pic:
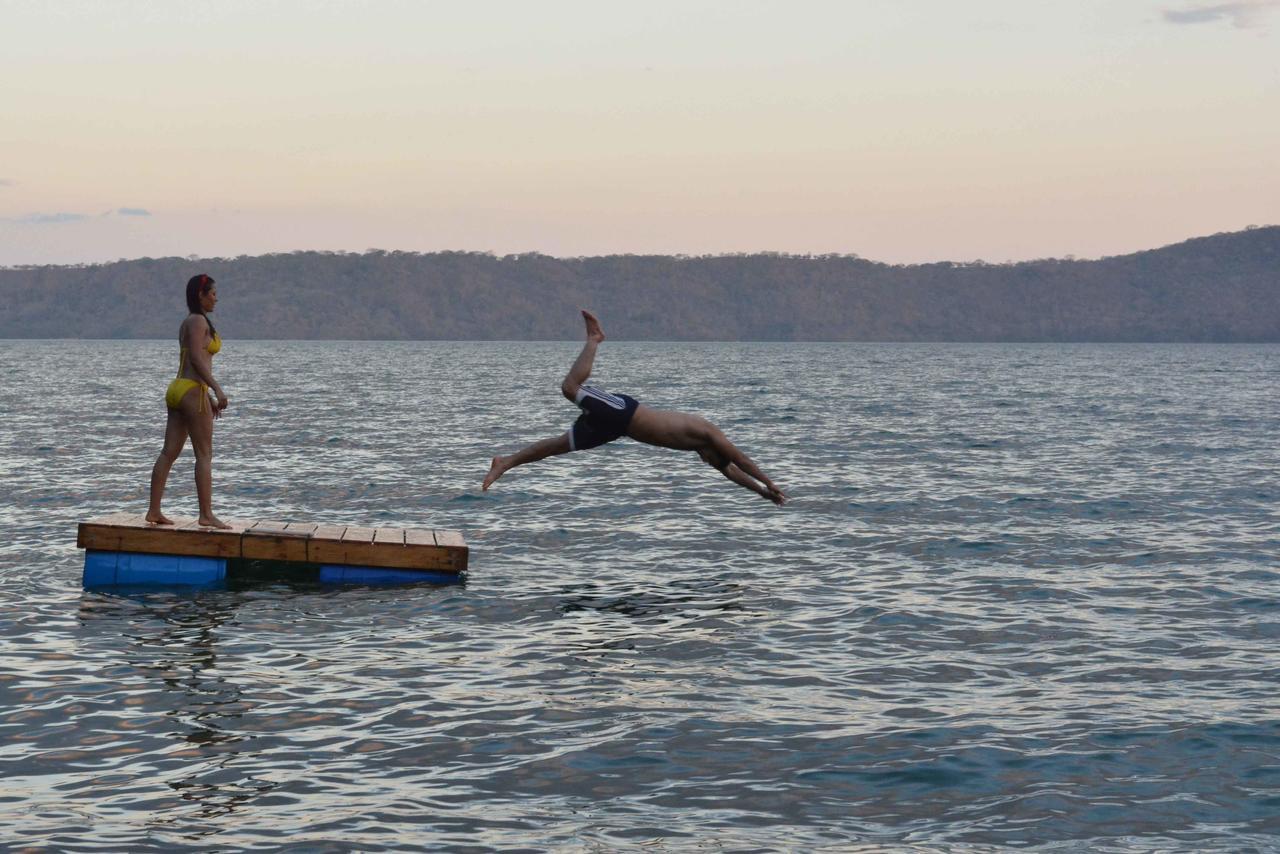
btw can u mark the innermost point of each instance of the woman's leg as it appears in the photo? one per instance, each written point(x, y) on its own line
point(199, 420)
point(175, 436)
point(537, 451)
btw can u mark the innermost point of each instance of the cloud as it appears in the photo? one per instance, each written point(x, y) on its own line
point(62, 217)
point(49, 219)
point(1242, 13)
point(5, 182)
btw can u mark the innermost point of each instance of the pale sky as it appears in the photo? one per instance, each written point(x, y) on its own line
point(900, 130)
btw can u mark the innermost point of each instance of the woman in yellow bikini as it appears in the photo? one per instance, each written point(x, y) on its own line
point(191, 412)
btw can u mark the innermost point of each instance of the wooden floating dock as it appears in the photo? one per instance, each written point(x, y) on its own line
point(342, 552)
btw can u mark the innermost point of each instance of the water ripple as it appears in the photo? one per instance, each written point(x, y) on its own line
point(1024, 597)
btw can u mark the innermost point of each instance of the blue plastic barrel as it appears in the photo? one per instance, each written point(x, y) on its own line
point(105, 569)
point(337, 574)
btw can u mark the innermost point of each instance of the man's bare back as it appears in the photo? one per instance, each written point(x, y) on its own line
point(666, 428)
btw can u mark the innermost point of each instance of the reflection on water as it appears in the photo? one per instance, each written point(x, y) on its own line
point(168, 644)
point(679, 596)
point(1025, 596)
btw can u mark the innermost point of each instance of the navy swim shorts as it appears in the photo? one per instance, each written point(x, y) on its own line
point(604, 417)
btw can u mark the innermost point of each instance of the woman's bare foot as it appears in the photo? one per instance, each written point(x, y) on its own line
point(211, 522)
point(497, 468)
point(594, 331)
point(158, 518)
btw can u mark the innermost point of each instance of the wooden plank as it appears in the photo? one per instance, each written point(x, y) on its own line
point(124, 520)
point(267, 526)
point(181, 539)
point(268, 547)
point(271, 540)
point(324, 536)
point(237, 526)
point(357, 548)
point(457, 547)
point(95, 529)
point(301, 527)
point(359, 535)
point(419, 537)
point(389, 536)
point(392, 557)
point(450, 538)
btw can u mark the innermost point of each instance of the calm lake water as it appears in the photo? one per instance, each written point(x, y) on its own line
point(1025, 596)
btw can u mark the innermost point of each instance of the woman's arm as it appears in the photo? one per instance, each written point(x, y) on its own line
point(198, 339)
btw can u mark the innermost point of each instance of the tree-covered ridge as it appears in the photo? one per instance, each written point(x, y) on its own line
point(1220, 288)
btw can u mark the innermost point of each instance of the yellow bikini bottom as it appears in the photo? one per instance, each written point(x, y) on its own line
point(178, 390)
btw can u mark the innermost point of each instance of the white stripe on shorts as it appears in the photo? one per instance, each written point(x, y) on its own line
point(611, 400)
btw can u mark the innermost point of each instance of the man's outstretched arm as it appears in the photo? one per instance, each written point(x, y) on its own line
point(738, 476)
point(726, 466)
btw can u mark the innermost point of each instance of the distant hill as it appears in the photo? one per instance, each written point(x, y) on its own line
point(1220, 288)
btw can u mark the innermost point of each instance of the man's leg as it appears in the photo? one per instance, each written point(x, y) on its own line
point(581, 367)
point(578, 373)
point(537, 451)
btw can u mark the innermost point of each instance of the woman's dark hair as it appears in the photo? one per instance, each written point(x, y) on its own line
point(198, 286)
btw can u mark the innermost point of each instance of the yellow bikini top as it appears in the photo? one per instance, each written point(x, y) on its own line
point(212, 348)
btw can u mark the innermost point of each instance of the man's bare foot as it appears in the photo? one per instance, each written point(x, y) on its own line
point(497, 468)
point(211, 522)
point(594, 331)
point(158, 518)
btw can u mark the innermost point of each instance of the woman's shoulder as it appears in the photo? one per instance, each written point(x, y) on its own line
point(194, 323)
